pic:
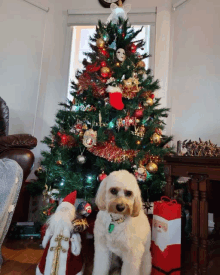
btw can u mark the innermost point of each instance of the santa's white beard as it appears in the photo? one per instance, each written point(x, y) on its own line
point(61, 220)
point(161, 238)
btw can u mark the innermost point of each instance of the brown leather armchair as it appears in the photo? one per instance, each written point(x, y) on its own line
point(16, 147)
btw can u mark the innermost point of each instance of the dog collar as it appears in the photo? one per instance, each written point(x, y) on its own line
point(112, 226)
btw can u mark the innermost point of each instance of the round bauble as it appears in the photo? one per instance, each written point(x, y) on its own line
point(141, 64)
point(156, 138)
point(138, 142)
point(64, 139)
point(104, 75)
point(117, 64)
point(148, 102)
point(81, 159)
point(152, 96)
point(133, 48)
point(152, 167)
point(138, 113)
point(104, 52)
point(103, 64)
point(59, 162)
point(100, 43)
point(105, 70)
point(102, 176)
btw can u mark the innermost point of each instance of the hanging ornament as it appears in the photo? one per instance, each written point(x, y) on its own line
point(128, 82)
point(105, 75)
point(120, 54)
point(59, 162)
point(100, 43)
point(152, 96)
point(64, 139)
point(81, 159)
point(148, 102)
point(105, 70)
point(133, 48)
point(103, 64)
point(117, 64)
point(105, 37)
point(158, 131)
point(141, 174)
point(156, 138)
point(141, 64)
point(138, 142)
point(123, 35)
point(139, 113)
point(152, 167)
point(104, 52)
point(101, 176)
point(89, 138)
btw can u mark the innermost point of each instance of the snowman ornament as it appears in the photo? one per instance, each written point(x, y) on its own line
point(120, 54)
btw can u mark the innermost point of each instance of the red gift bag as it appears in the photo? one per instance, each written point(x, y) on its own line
point(166, 237)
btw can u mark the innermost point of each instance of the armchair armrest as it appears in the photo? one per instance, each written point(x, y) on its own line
point(17, 141)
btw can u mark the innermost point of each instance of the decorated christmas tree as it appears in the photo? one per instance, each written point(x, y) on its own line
point(113, 122)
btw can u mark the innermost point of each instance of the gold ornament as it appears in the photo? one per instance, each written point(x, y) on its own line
point(59, 162)
point(152, 167)
point(100, 43)
point(141, 64)
point(105, 70)
point(156, 138)
point(148, 102)
point(84, 127)
point(128, 83)
point(90, 138)
point(118, 64)
point(81, 133)
point(138, 142)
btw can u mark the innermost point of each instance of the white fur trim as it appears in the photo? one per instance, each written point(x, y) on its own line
point(38, 271)
point(76, 244)
point(112, 89)
point(63, 255)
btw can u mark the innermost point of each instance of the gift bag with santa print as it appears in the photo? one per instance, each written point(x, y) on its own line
point(166, 237)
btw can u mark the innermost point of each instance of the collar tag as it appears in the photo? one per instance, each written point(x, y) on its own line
point(111, 227)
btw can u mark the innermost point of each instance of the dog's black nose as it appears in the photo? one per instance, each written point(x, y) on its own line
point(120, 207)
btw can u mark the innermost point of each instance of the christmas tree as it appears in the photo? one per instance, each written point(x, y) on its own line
point(114, 121)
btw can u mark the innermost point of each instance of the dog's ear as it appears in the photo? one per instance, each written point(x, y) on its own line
point(101, 195)
point(137, 206)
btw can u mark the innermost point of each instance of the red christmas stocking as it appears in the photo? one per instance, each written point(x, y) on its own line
point(115, 97)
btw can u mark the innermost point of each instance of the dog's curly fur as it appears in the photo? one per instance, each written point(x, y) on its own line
point(131, 239)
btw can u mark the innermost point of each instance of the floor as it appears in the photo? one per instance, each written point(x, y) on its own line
point(21, 257)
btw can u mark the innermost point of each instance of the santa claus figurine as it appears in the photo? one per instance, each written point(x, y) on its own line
point(61, 246)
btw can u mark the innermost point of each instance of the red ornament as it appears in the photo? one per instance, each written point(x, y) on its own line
point(59, 134)
point(104, 52)
point(102, 176)
point(104, 75)
point(123, 35)
point(139, 113)
point(103, 80)
point(133, 48)
point(64, 139)
point(103, 64)
point(152, 96)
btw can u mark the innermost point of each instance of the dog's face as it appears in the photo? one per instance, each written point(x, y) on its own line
point(119, 193)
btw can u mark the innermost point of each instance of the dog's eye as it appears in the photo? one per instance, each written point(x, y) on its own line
point(114, 191)
point(128, 193)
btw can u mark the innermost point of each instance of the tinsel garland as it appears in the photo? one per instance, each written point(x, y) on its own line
point(111, 152)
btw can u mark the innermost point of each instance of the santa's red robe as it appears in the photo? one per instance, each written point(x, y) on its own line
point(74, 263)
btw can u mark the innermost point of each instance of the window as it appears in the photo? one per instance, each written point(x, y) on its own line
point(80, 45)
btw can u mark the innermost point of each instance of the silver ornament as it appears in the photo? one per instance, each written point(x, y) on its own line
point(81, 159)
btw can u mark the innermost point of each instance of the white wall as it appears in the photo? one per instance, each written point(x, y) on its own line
point(35, 54)
point(195, 79)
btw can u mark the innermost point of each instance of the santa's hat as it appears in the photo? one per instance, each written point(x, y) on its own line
point(71, 198)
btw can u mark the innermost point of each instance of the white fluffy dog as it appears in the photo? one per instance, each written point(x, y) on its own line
point(121, 227)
